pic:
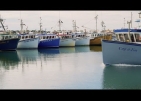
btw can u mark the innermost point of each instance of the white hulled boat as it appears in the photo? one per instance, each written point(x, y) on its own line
point(125, 50)
point(81, 39)
point(66, 39)
point(27, 41)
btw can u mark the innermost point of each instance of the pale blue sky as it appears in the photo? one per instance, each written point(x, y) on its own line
point(112, 19)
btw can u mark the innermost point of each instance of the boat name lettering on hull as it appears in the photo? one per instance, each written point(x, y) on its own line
point(127, 49)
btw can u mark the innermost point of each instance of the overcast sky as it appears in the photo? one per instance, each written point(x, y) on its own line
point(112, 19)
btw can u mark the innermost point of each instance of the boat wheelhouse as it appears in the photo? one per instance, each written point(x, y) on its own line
point(125, 50)
point(7, 41)
point(81, 39)
point(126, 35)
point(66, 39)
point(48, 40)
point(28, 41)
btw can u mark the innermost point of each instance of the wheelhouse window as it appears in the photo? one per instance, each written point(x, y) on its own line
point(126, 37)
point(121, 37)
point(26, 37)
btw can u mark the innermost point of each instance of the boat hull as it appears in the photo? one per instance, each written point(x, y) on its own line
point(28, 43)
point(66, 42)
point(48, 43)
point(116, 52)
point(97, 40)
point(82, 41)
point(9, 44)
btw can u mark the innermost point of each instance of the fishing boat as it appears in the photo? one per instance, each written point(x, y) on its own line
point(27, 40)
point(125, 50)
point(66, 39)
point(96, 38)
point(81, 39)
point(7, 41)
point(49, 40)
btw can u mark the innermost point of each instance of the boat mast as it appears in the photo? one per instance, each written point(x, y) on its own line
point(74, 26)
point(129, 22)
point(59, 25)
point(139, 15)
point(40, 25)
point(22, 26)
point(124, 22)
point(1, 20)
point(131, 19)
point(96, 23)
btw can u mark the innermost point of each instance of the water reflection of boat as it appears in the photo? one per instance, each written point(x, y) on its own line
point(96, 48)
point(122, 77)
point(28, 54)
point(49, 51)
point(8, 58)
point(82, 49)
point(67, 49)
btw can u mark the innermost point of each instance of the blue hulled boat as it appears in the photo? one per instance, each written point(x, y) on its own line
point(48, 40)
point(8, 41)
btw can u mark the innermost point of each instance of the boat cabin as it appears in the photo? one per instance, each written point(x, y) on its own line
point(79, 35)
point(134, 35)
point(26, 36)
point(47, 36)
point(7, 36)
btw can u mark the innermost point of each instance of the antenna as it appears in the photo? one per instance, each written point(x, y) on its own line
point(131, 19)
point(96, 22)
point(129, 22)
point(124, 22)
point(40, 25)
point(74, 26)
point(21, 24)
point(60, 22)
point(1, 20)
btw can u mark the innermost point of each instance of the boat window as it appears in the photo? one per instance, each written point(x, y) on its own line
point(19, 37)
point(6, 37)
point(43, 37)
point(22, 37)
point(121, 37)
point(1, 37)
point(132, 37)
point(10, 37)
point(126, 37)
point(26, 37)
point(137, 36)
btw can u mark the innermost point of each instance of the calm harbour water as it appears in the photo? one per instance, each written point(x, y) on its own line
point(64, 68)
